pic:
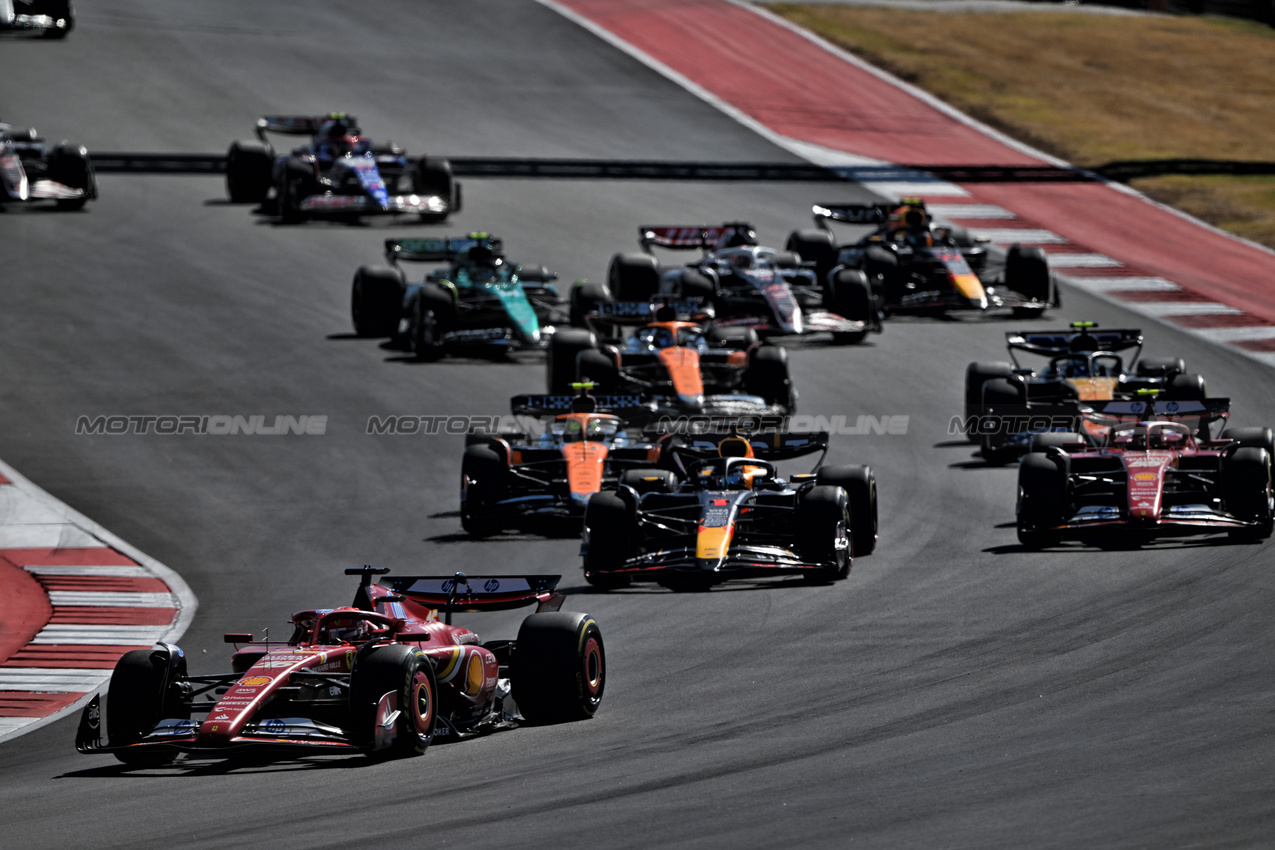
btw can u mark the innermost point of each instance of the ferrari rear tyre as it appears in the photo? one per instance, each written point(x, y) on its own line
point(405, 672)
point(848, 294)
point(558, 669)
point(860, 485)
point(432, 176)
point(138, 698)
point(824, 533)
point(633, 277)
point(248, 172)
point(376, 301)
point(565, 347)
point(768, 376)
point(1042, 501)
point(482, 484)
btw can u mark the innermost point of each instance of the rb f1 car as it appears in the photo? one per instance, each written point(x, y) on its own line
point(385, 676)
point(732, 516)
point(675, 355)
point(339, 173)
point(480, 301)
point(915, 266)
point(49, 18)
point(1006, 403)
point(29, 171)
point(1155, 472)
point(748, 285)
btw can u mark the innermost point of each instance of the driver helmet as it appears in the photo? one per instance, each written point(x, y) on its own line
point(742, 260)
point(1166, 438)
point(337, 135)
point(663, 338)
point(348, 631)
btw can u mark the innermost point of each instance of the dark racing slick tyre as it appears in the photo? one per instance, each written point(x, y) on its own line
point(882, 268)
point(694, 285)
point(405, 672)
point(609, 521)
point(599, 368)
point(824, 532)
point(70, 166)
point(376, 301)
point(483, 474)
point(60, 11)
point(860, 484)
point(633, 277)
point(295, 185)
point(560, 363)
point(558, 669)
point(1160, 367)
point(1068, 441)
point(248, 172)
point(432, 176)
point(433, 317)
point(848, 294)
point(1246, 491)
point(977, 374)
point(740, 339)
point(645, 481)
point(814, 246)
point(1188, 386)
point(1257, 437)
point(1042, 500)
point(586, 295)
point(1027, 273)
point(767, 376)
point(141, 695)
point(1003, 403)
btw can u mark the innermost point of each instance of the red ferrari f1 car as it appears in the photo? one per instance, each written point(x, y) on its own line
point(385, 676)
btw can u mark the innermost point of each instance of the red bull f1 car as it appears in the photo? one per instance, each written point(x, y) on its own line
point(385, 676)
point(480, 301)
point(338, 173)
point(749, 286)
point(30, 171)
point(731, 515)
point(1146, 469)
point(676, 355)
point(915, 266)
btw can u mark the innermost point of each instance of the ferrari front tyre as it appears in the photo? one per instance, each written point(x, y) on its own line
point(860, 484)
point(248, 172)
point(482, 484)
point(404, 725)
point(139, 696)
point(432, 177)
point(1027, 273)
point(558, 669)
point(848, 294)
point(823, 532)
point(977, 374)
point(633, 277)
point(433, 312)
point(376, 301)
point(768, 376)
point(1246, 490)
point(565, 347)
point(586, 295)
point(1042, 500)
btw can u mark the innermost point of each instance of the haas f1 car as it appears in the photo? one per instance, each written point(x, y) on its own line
point(730, 515)
point(30, 171)
point(1005, 403)
point(916, 266)
point(748, 285)
point(338, 173)
point(479, 301)
point(385, 676)
point(675, 355)
point(49, 18)
point(1151, 471)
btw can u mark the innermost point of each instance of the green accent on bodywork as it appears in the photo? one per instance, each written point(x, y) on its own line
point(582, 385)
point(451, 287)
point(1149, 392)
point(517, 306)
point(1080, 326)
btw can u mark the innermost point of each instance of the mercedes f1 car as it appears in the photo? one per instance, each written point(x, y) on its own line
point(29, 171)
point(1005, 403)
point(479, 301)
point(916, 266)
point(1152, 470)
point(676, 355)
point(49, 18)
point(515, 480)
point(385, 676)
point(732, 516)
point(339, 173)
point(748, 285)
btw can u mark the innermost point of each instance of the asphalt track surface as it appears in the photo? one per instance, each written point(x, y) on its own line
point(955, 691)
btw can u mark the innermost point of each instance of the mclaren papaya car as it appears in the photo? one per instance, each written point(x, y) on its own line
point(749, 286)
point(676, 355)
point(479, 301)
point(47, 18)
point(338, 173)
point(1147, 469)
point(1005, 403)
point(385, 676)
point(31, 171)
point(729, 514)
point(916, 266)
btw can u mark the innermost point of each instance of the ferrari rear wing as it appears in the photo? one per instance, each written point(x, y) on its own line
point(466, 593)
point(687, 238)
point(770, 445)
point(1209, 408)
point(434, 250)
point(625, 404)
point(296, 125)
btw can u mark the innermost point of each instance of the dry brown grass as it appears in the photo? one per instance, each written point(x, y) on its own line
point(1094, 88)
